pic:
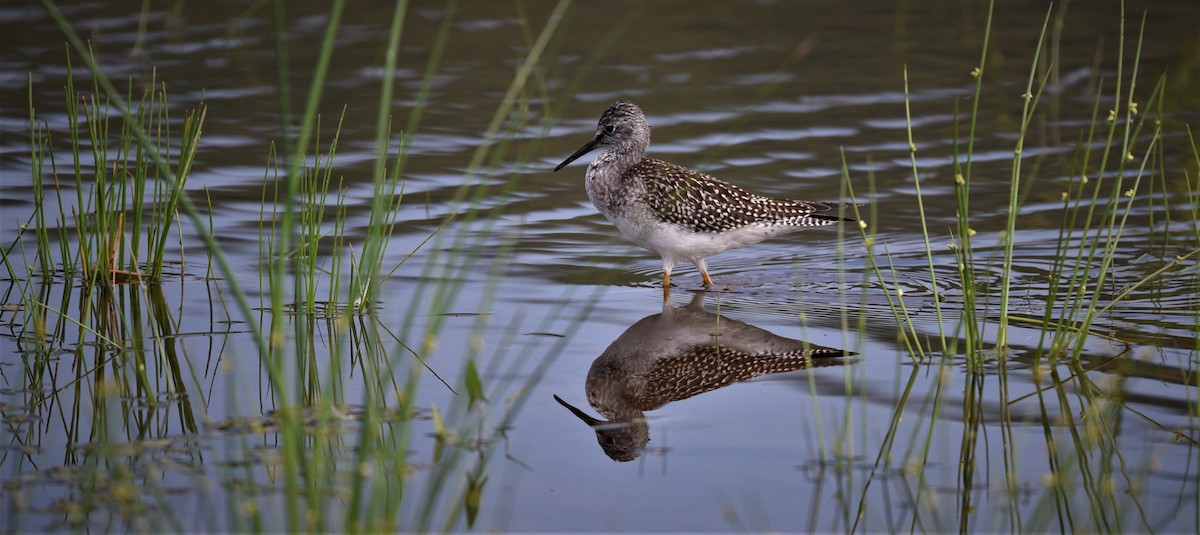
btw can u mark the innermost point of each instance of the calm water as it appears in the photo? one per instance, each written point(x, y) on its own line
point(767, 95)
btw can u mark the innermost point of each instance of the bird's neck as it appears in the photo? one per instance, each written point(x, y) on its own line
point(609, 166)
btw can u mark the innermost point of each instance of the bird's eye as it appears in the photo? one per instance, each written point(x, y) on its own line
point(608, 129)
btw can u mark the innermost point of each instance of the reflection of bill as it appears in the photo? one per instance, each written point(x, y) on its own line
point(675, 355)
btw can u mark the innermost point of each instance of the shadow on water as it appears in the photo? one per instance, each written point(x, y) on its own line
point(679, 353)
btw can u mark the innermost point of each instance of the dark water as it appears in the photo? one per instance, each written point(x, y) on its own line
point(768, 95)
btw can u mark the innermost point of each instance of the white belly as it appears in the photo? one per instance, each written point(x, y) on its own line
point(675, 243)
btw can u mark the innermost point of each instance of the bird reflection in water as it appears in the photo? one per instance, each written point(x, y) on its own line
point(675, 355)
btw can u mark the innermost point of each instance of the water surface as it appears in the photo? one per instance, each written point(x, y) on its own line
point(773, 96)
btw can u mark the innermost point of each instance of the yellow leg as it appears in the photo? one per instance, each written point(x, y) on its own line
point(703, 269)
point(666, 280)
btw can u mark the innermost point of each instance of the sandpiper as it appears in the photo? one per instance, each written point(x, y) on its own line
point(678, 213)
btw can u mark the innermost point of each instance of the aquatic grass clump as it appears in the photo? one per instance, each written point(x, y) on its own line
point(1114, 160)
point(316, 334)
point(469, 431)
point(105, 217)
point(1110, 178)
point(99, 336)
point(115, 205)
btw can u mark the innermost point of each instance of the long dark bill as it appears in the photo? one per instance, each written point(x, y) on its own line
point(587, 419)
point(588, 147)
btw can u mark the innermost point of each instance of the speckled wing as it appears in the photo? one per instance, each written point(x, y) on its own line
point(703, 203)
point(700, 369)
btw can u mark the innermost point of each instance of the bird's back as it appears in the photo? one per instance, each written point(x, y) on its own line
point(705, 204)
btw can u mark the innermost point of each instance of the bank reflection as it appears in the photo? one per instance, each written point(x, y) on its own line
point(677, 354)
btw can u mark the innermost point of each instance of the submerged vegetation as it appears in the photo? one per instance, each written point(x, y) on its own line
point(93, 278)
